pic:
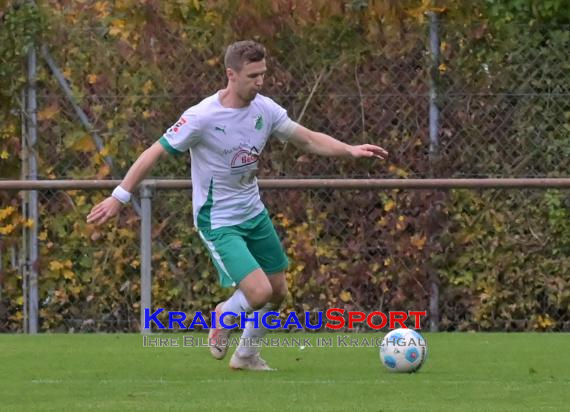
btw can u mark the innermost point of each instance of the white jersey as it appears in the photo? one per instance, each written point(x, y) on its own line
point(225, 145)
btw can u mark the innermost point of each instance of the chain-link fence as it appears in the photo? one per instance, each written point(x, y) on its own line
point(498, 102)
point(498, 259)
point(505, 113)
point(502, 103)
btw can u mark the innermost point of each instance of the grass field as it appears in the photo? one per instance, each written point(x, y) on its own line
point(464, 372)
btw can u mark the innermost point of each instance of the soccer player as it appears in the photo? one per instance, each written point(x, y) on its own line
point(225, 134)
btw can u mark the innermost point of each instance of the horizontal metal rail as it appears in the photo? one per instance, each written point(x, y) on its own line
point(162, 184)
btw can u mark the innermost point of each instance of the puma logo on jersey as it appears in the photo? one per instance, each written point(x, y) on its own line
point(220, 129)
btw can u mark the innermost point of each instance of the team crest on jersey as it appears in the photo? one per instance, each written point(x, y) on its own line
point(245, 157)
point(258, 122)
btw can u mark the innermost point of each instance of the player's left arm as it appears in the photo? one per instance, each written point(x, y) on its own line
point(325, 145)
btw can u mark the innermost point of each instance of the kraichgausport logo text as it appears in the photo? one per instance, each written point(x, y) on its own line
point(334, 318)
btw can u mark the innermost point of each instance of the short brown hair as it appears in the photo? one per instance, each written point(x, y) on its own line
point(241, 52)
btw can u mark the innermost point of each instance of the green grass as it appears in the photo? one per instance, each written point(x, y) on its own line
point(464, 372)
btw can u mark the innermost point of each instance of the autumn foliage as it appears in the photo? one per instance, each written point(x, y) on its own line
point(359, 70)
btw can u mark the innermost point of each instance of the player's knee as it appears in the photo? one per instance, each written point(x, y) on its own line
point(279, 293)
point(260, 297)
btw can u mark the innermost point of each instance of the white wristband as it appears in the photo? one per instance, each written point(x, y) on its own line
point(121, 195)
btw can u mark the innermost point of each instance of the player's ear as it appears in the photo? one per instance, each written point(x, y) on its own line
point(231, 73)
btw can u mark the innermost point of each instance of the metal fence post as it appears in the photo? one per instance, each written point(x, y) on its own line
point(23, 253)
point(32, 135)
point(434, 43)
point(146, 194)
point(434, 151)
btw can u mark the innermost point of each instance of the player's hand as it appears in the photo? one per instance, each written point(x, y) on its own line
point(103, 211)
point(368, 150)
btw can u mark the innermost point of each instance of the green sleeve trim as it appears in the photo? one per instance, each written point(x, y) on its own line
point(164, 143)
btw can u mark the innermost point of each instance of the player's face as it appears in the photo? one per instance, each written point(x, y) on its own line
point(249, 80)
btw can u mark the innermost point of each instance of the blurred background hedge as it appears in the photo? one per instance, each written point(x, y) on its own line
point(358, 70)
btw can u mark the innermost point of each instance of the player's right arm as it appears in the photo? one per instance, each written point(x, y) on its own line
point(109, 207)
point(185, 133)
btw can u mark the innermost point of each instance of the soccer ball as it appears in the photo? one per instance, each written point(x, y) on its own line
point(403, 350)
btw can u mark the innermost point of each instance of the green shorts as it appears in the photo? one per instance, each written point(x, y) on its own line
point(239, 250)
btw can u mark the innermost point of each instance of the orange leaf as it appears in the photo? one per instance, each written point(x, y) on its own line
point(84, 144)
point(48, 112)
point(104, 171)
point(390, 204)
point(345, 296)
point(418, 241)
point(213, 61)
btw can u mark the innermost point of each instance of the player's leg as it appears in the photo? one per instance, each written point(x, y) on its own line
point(279, 287)
point(236, 266)
point(254, 293)
point(265, 246)
point(247, 355)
